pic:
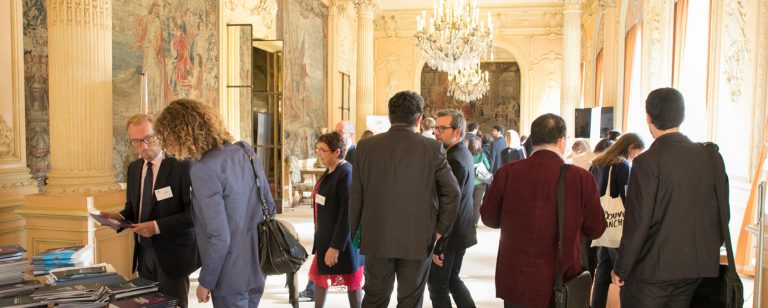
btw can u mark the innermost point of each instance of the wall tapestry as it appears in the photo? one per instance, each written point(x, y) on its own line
point(304, 95)
point(36, 89)
point(500, 105)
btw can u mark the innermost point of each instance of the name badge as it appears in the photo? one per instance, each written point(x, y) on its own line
point(320, 199)
point(163, 193)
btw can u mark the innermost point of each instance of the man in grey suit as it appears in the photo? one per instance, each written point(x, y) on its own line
point(404, 197)
point(671, 236)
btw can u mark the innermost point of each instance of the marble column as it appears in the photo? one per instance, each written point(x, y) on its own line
point(82, 179)
point(571, 85)
point(15, 180)
point(365, 12)
point(611, 84)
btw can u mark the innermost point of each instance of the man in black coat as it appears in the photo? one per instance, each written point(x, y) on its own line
point(498, 145)
point(449, 252)
point(403, 197)
point(158, 201)
point(671, 236)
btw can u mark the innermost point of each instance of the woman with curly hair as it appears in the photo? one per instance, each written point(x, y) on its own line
point(224, 192)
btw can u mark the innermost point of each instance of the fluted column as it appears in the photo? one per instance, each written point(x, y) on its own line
point(80, 89)
point(569, 93)
point(365, 12)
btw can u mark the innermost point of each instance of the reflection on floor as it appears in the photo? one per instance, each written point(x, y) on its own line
point(477, 272)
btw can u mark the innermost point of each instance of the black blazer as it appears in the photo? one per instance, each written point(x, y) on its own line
point(509, 155)
point(175, 246)
point(671, 225)
point(498, 145)
point(619, 179)
point(350, 156)
point(402, 193)
point(332, 228)
point(463, 233)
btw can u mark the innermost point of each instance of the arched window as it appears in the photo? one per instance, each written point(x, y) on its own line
point(599, 78)
point(634, 103)
point(689, 73)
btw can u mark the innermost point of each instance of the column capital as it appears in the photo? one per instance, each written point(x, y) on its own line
point(607, 4)
point(366, 7)
point(571, 5)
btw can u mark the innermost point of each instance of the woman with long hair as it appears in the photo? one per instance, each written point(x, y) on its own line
point(336, 263)
point(613, 164)
point(226, 202)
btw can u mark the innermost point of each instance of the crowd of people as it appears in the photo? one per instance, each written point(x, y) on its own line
point(405, 205)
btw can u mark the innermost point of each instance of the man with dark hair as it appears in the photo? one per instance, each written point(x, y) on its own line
point(498, 145)
point(671, 237)
point(444, 280)
point(404, 198)
point(472, 128)
point(521, 201)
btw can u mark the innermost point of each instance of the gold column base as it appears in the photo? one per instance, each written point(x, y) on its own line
point(54, 221)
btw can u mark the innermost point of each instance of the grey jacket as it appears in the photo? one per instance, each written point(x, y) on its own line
point(403, 192)
point(226, 216)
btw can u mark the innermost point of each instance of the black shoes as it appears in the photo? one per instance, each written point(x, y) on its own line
point(307, 296)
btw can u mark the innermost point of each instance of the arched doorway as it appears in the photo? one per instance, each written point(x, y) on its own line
point(500, 105)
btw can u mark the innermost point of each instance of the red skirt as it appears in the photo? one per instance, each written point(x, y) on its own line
point(350, 282)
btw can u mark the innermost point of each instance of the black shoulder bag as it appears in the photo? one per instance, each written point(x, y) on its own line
point(725, 290)
point(280, 251)
point(575, 292)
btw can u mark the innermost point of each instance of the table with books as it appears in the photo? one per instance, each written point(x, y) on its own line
point(65, 277)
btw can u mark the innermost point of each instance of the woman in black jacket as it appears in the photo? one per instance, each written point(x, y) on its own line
point(613, 164)
point(336, 262)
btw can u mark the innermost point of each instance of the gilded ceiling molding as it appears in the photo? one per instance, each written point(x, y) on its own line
point(737, 52)
point(607, 4)
point(367, 7)
point(572, 5)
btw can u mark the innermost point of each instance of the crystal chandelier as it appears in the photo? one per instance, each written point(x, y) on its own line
point(455, 37)
point(468, 85)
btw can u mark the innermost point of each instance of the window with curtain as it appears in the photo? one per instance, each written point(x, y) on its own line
point(599, 78)
point(691, 56)
point(634, 102)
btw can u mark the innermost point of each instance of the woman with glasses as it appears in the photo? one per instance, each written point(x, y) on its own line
point(337, 263)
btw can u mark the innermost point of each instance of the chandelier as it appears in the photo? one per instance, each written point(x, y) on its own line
point(468, 85)
point(455, 37)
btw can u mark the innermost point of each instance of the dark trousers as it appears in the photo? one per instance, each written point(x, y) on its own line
point(380, 274)
point(149, 268)
point(662, 294)
point(605, 259)
point(244, 299)
point(444, 282)
point(477, 200)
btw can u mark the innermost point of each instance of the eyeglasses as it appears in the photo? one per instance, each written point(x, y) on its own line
point(319, 150)
point(442, 129)
point(146, 141)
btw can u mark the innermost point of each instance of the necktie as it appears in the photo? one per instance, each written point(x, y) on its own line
point(146, 203)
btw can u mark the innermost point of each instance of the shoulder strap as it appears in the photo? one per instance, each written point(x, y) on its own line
point(608, 188)
point(560, 209)
point(256, 178)
point(712, 150)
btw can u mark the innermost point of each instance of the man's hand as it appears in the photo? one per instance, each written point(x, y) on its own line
point(203, 294)
point(438, 259)
point(112, 215)
point(145, 229)
point(331, 257)
point(617, 280)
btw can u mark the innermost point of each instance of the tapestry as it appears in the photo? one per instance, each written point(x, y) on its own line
point(500, 105)
point(175, 44)
point(304, 95)
point(36, 89)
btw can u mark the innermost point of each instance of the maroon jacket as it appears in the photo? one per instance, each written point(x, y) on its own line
point(521, 201)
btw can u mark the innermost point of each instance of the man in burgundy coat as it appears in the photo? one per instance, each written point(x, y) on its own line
point(522, 202)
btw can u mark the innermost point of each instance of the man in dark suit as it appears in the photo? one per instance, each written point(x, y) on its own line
point(498, 145)
point(522, 202)
point(158, 200)
point(347, 131)
point(404, 197)
point(444, 279)
point(671, 236)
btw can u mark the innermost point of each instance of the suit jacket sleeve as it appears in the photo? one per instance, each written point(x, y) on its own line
point(264, 185)
point(594, 218)
point(638, 211)
point(341, 231)
point(355, 197)
point(448, 194)
point(460, 174)
point(209, 206)
point(127, 212)
point(170, 225)
point(490, 210)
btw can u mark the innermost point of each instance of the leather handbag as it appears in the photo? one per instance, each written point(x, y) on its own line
point(575, 292)
point(614, 215)
point(725, 290)
point(280, 251)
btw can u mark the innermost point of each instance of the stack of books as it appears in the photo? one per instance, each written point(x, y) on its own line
point(79, 295)
point(12, 265)
point(22, 302)
point(132, 288)
point(19, 289)
point(76, 256)
point(103, 274)
point(151, 300)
